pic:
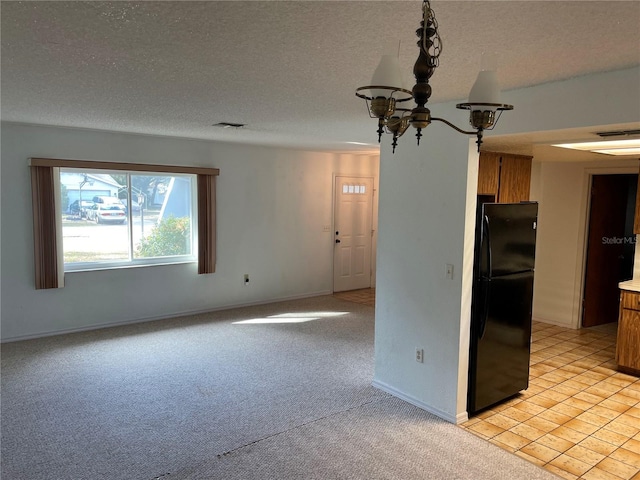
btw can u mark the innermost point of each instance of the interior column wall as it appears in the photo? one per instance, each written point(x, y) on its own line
point(423, 206)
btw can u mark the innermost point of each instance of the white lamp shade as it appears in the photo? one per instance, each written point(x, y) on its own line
point(388, 74)
point(486, 88)
point(407, 80)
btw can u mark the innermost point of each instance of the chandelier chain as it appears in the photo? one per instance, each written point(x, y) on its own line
point(431, 43)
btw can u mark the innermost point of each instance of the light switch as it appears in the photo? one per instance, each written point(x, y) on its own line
point(449, 271)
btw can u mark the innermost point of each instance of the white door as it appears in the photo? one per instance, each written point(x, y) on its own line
point(352, 234)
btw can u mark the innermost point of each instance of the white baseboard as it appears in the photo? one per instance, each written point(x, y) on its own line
point(459, 418)
point(164, 317)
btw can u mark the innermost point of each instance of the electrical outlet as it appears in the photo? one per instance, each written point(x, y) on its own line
point(246, 279)
point(419, 355)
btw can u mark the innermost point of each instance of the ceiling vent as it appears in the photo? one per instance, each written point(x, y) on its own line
point(229, 125)
point(618, 133)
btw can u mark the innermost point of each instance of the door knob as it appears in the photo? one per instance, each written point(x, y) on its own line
point(337, 240)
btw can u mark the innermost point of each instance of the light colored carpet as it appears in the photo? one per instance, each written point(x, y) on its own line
point(205, 397)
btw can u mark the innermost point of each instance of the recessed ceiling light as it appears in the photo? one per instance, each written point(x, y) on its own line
point(620, 151)
point(612, 147)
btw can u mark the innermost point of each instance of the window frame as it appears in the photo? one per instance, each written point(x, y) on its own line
point(47, 215)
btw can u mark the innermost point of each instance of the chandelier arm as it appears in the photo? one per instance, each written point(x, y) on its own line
point(474, 132)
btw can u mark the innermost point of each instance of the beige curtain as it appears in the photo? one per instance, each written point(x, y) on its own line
point(44, 227)
point(206, 224)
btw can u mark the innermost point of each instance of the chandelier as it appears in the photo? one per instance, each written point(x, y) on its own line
point(387, 92)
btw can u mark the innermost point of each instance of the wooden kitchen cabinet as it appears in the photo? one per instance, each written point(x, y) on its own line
point(488, 173)
point(515, 179)
point(505, 177)
point(628, 341)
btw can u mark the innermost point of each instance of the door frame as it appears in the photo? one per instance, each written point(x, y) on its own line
point(374, 223)
point(583, 234)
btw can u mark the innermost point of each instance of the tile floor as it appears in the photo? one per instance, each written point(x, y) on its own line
point(579, 418)
point(366, 296)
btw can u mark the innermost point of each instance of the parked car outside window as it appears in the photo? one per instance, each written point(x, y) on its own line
point(107, 213)
point(107, 200)
point(74, 208)
point(135, 206)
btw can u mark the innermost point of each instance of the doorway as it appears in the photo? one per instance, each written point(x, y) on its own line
point(353, 219)
point(610, 246)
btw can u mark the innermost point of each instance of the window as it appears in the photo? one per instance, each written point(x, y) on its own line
point(92, 215)
point(114, 218)
point(353, 189)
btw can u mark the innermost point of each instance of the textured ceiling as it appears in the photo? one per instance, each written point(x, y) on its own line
point(286, 69)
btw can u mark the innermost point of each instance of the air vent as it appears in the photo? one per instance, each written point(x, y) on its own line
point(618, 133)
point(228, 125)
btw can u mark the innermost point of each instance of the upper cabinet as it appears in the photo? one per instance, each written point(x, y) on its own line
point(488, 173)
point(504, 176)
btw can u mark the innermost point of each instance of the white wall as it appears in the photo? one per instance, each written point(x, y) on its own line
point(426, 218)
point(562, 190)
point(423, 205)
point(271, 208)
point(599, 99)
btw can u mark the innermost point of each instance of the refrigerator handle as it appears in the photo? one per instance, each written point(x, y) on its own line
point(486, 276)
point(486, 284)
point(486, 235)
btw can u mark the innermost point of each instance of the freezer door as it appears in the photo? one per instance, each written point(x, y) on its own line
point(508, 238)
point(500, 340)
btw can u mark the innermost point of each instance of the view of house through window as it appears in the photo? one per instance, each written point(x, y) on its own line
point(110, 218)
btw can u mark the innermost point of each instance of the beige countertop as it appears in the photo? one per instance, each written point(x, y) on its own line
point(632, 285)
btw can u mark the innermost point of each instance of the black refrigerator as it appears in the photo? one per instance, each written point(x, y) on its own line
point(500, 341)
